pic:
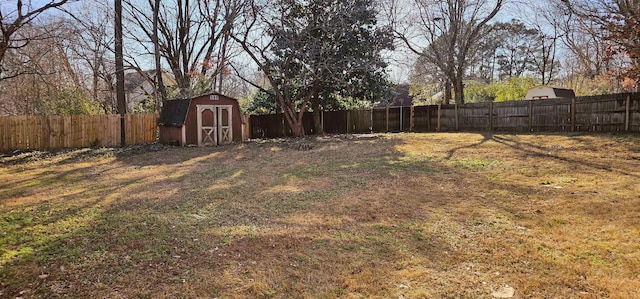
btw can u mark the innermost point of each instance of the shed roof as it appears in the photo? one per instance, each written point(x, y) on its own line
point(549, 92)
point(174, 112)
point(564, 93)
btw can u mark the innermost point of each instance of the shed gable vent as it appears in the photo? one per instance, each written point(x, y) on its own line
point(213, 97)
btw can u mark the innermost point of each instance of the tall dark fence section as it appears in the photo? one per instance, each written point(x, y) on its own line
point(605, 113)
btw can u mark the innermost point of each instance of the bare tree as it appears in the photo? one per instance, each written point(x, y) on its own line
point(545, 58)
point(191, 36)
point(445, 33)
point(547, 18)
point(13, 19)
point(51, 81)
point(619, 21)
point(161, 92)
point(92, 50)
point(516, 44)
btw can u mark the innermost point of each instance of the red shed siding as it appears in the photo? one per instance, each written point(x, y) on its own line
point(192, 120)
point(170, 135)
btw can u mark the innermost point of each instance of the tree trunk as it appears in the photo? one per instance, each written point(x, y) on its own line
point(447, 93)
point(297, 130)
point(458, 88)
point(122, 104)
point(294, 120)
point(161, 93)
point(317, 116)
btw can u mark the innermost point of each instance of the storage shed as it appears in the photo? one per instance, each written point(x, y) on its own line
point(209, 119)
point(548, 92)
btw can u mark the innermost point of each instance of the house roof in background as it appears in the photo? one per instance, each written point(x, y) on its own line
point(401, 98)
point(135, 79)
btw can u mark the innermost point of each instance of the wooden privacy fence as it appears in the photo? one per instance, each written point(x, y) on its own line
point(52, 132)
point(605, 113)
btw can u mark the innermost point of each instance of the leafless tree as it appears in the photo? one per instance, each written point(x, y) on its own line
point(161, 92)
point(620, 22)
point(444, 33)
point(92, 49)
point(192, 37)
point(54, 82)
point(14, 17)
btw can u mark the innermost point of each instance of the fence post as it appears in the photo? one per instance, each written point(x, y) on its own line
point(411, 121)
point(387, 122)
point(490, 116)
point(348, 121)
point(530, 115)
point(456, 110)
point(246, 127)
point(322, 120)
point(627, 114)
point(401, 120)
point(429, 118)
point(439, 115)
point(573, 115)
point(371, 118)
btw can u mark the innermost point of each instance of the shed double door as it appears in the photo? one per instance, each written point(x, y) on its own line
point(215, 124)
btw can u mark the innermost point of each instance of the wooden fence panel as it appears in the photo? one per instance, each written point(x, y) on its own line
point(21, 128)
point(379, 116)
point(422, 119)
point(116, 130)
point(335, 122)
point(473, 117)
point(360, 121)
point(267, 126)
point(139, 128)
point(393, 119)
point(56, 132)
point(634, 114)
point(618, 112)
point(53, 132)
point(511, 116)
point(600, 115)
point(406, 119)
point(132, 126)
point(551, 115)
point(4, 140)
point(447, 118)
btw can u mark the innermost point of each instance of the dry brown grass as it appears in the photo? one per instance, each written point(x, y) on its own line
point(413, 215)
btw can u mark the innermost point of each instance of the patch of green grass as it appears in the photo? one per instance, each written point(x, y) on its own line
point(566, 180)
point(269, 293)
point(472, 164)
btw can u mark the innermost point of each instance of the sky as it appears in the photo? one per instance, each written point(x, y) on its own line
point(400, 60)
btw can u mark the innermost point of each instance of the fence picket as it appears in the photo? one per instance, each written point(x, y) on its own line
point(52, 132)
point(615, 112)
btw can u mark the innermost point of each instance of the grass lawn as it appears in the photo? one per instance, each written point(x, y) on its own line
point(370, 216)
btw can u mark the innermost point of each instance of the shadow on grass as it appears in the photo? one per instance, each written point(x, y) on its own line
point(270, 221)
point(551, 152)
point(546, 152)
